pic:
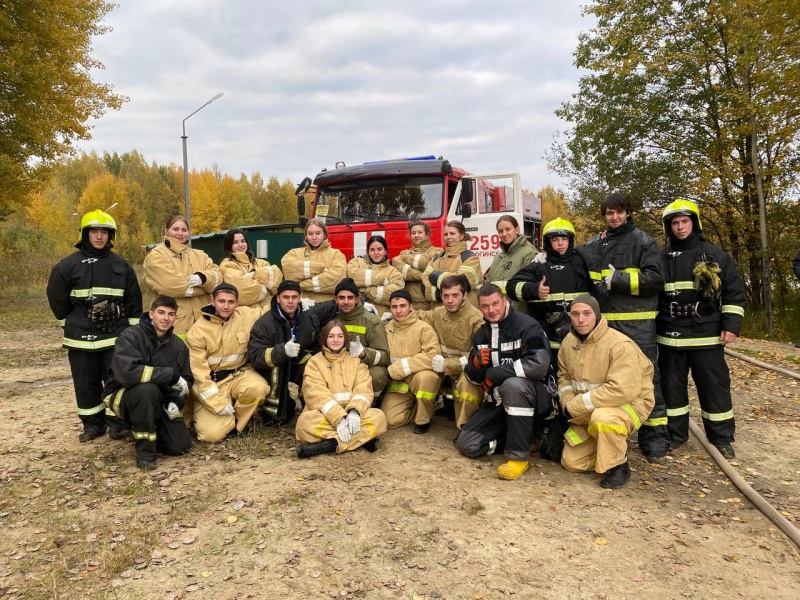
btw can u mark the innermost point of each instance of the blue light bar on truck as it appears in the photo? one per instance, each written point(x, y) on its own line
point(375, 162)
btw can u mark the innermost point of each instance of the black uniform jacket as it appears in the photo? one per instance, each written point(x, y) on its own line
point(140, 356)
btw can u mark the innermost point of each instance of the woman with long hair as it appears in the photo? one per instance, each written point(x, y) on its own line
point(316, 266)
point(374, 274)
point(256, 279)
point(412, 262)
point(187, 274)
point(455, 260)
point(337, 389)
point(515, 252)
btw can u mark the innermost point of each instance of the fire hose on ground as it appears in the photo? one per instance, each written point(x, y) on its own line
point(760, 503)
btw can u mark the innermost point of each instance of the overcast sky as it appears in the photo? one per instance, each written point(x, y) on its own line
point(309, 82)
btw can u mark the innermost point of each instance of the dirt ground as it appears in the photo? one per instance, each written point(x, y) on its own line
point(247, 519)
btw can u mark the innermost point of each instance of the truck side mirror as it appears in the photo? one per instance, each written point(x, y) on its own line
point(465, 199)
point(300, 192)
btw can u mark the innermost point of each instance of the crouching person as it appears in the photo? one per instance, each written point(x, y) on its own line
point(148, 383)
point(227, 389)
point(337, 388)
point(509, 358)
point(606, 390)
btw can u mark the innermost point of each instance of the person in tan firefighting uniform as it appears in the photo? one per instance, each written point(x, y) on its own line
point(174, 269)
point(627, 273)
point(455, 260)
point(337, 416)
point(256, 279)
point(412, 262)
point(455, 322)
point(701, 309)
point(95, 295)
point(374, 274)
point(317, 266)
point(414, 384)
point(605, 383)
point(515, 253)
point(227, 389)
point(148, 382)
point(366, 334)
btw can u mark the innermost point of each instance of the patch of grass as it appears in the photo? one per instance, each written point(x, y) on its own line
point(26, 312)
point(785, 322)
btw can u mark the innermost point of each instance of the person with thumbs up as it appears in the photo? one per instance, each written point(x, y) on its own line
point(548, 287)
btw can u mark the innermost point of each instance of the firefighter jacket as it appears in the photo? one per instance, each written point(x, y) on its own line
point(412, 263)
point(369, 328)
point(509, 261)
point(376, 281)
point(413, 344)
point(606, 369)
point(631, 305)
point(266, 348)
point(567, 277)
point(83, 279)
point(255, 289)
point(334, 383)
point(455, 331)
point(519, 348)
point(317, 271)
point(455, 260)
point(217, 349)
point(167, 268)
point(140, 356)
point(685, 318)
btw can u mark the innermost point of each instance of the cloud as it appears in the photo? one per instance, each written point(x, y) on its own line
point(307, 84)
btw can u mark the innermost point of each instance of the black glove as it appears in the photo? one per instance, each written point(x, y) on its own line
point(552, 443)
point(174, 396)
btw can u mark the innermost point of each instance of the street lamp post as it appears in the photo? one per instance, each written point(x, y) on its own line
point(186, 163)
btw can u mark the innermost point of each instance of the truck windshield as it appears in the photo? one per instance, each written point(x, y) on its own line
point(399, 199)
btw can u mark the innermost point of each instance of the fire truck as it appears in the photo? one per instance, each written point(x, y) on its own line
point(382, 197)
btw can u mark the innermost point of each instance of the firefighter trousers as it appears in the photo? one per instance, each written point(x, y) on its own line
point(246, 391)
point(599, 442)
point(380, 378)
point(467, 398)
point(509, 425)
point(141, 408)
point(411, 399)
point(713, 382)
point(88, 372)
point(312, 426)
point(654, 435)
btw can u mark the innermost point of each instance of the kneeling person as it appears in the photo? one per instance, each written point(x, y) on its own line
point(148, 382)
point(605, 384)
point(414, 384)
point(338, 391)
point(509, 358)
point(227, 388)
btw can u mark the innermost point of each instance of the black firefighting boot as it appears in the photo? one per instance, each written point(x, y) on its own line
point(323, 447)
point(372, 445)
point(616, 477)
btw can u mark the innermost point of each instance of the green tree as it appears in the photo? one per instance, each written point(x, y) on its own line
point(47, 92)
point(666, 109)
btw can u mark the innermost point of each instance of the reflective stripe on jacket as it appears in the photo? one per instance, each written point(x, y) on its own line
point(412, 263)
point(412, 344)
point(377, 282)
point(334, 383)
point(317, 271)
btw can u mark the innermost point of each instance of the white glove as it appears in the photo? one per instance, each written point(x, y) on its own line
point(182, 387)
point(194, 280)
point(227, 411)
point(172, 411)
point(610, 276)
point(386, 317)
point(353, 421)
point(540, 258)
point(306, 303)
point(292, 348)
point(251, 274)
point(356, 347)
point(438, 363)
point(343, 431)
point(370, 308)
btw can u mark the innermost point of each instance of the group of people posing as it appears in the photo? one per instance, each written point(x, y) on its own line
point(559, 347)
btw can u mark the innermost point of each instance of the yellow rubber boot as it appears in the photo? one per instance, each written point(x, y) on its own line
point(513, 469)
